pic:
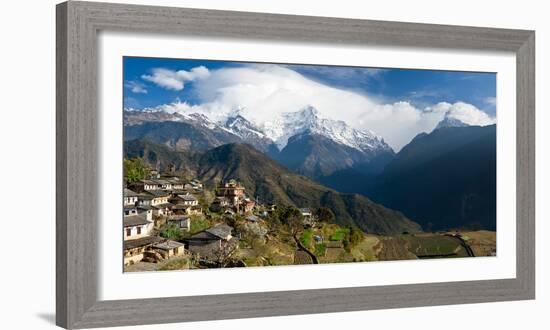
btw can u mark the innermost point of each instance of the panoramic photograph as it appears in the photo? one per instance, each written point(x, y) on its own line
point(240, 164)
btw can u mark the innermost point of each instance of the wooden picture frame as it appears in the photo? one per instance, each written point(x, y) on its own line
point(78, 24)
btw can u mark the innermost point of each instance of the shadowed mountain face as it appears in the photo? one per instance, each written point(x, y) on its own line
point(445, 179)
point(273, 183)
point(317, 156)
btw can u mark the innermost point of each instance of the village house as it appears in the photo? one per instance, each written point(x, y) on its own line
point(183, 222)
point(164, 184)
point(306, 212)
point(248, 205)
point(219, 204)
point(159, 202)
point(145, 212)
point(195, 210)
point(159, 197)
point(130, 197)
point(176, 183)
point(136, 238)
point(185, 199)
point(134, 249)
point(130, 210)
point(232, 190)
point(196, 184)
point(189, 200)
point(154, 174)
point(169, 249)
point(180, 209)
point(308, 217)
point(136, 226)
point(144, 200)
point(144, 185)
point(209, 242)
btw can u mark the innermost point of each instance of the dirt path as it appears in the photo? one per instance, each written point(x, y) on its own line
point(464, 245)
point(301, 247)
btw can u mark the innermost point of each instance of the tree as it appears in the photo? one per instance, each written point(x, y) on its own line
point(135, 170)
point(354, 237)
point(324, 214)
point(171, 231)
point(293, 218)
point(223, 255)
point(274, 223)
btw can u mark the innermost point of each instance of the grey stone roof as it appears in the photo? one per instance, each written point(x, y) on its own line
point(158, 193)
point(203, 236)
point(135, 220)
point(180, 207)
point(163, 206)
point(151, 182)
point(221, 231)
point(168, 245)
point(130, 193)
point(190, 198)
point(140, 242)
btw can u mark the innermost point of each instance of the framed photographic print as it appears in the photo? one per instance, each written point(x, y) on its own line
point(216, 165)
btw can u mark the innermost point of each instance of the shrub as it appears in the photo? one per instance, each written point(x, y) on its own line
point(320, 249)
point(172, 232)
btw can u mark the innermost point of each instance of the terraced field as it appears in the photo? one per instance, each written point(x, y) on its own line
point(483, 242)
point(430, 245)
point(435, 246)
point(301, 257)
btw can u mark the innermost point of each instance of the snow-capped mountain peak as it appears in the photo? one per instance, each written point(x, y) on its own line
point(242, 127)
point(451, 120)
point(309, 119)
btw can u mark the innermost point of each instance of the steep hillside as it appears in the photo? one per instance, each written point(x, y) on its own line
point(445, 179)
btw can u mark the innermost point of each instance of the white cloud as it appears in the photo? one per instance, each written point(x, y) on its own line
point(263, 92)
point(465, 112)
point(175, 80)
point(490, 101)
point(135, 87)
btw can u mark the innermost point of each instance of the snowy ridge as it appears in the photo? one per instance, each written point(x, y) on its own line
point(310, 120)
point(278, 129)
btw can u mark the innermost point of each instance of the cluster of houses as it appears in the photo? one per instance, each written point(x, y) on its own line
point(146, 204)
point(152, 203)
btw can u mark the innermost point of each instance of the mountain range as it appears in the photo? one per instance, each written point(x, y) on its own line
point(442, 179)
point(303, 141)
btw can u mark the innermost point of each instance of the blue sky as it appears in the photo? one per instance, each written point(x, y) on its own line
point(419, 87)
